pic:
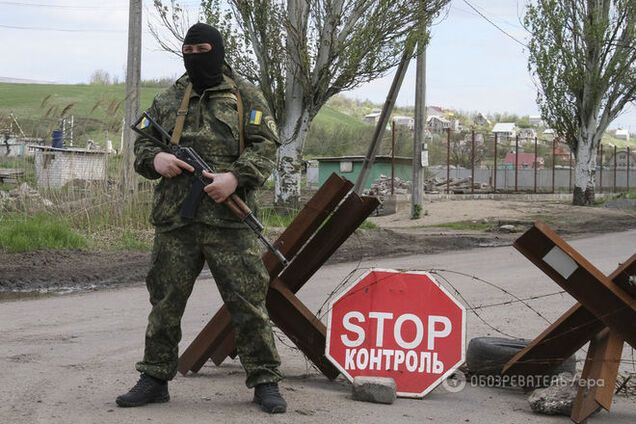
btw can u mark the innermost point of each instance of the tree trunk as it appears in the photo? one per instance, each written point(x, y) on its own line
point(585, 174)
point(288, 175)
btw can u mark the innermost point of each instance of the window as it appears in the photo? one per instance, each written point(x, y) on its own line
point(346, 166)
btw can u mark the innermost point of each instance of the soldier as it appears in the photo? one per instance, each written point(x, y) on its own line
point(182, 246)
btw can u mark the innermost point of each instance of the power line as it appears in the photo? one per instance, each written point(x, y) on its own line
point(61, 6)
point(61, 29)
point(494, 24)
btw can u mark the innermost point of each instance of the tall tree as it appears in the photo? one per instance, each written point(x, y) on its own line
point(583, 55)
point(302, 52)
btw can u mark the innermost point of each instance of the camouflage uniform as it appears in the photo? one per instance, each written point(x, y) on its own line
point(215, 235)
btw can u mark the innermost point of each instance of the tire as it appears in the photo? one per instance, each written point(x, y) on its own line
point(488, 355)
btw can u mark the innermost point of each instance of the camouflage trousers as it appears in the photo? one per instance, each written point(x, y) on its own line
point(232, 254)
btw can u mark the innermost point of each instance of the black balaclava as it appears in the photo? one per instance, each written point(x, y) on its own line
point(205, 70)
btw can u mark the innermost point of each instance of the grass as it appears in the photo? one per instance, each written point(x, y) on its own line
point(37, 232)
point(630, 195)
point(368, 225)
point(329, 117)
point(272, 218)
point(465, 226)
point(130, 240)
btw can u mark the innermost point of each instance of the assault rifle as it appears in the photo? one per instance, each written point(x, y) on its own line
point(190, 204)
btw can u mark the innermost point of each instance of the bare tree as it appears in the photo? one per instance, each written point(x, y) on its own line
point(100, 77)
point(583, 54)
point(302, 52)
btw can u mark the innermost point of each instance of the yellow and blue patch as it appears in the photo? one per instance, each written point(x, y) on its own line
point(255, 117)
point(145, 123)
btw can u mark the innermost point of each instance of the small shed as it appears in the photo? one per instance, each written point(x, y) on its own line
point(54, 167)
point(349, 167)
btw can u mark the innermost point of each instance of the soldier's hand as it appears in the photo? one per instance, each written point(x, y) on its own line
point(222, 187)
point(168, 165)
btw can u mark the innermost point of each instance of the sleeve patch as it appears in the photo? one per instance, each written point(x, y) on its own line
point(255, 117)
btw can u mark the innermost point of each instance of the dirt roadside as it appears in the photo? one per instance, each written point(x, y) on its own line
point(396, 235)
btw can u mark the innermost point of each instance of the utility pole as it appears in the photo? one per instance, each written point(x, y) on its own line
point(420, 127)
point(133, 73)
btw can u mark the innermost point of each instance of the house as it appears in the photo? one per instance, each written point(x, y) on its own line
point(480, 120)
point(372, 118)
point(505, 129)
point(434, 111)
point(622, 160)
point(548, 134)
point(622, 134)
point(527, 135)
point(405, 121)
point(437, 123)
point(535, 120)
point(526, 160)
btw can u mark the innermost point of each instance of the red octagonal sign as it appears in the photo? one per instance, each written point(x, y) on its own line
point(400, 325)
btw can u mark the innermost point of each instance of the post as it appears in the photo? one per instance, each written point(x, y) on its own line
point(472, 162)
point(494, 183)
point(448, 136)
point(600, 161)
point(628, 158)
point(553, 162)
point(536, 154)
point(72, 129)
point(384, 117)
point(420, 127)
point(133, 71)
point(570, 182)
point(392, 157)
point(614, 168)
point(517, 163)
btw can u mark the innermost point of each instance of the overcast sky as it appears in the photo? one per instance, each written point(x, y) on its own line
point(471, 65)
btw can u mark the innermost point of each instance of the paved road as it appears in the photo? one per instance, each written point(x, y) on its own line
point(65, 359)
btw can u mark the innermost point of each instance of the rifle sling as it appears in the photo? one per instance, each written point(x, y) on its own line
point(183, 111)
point(181, 114)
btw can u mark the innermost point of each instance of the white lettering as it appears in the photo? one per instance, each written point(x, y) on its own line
point(411, 360)
point(375, 362)
point(425, 362)
point(349, 326)
point(419, 331)
point(438, 366)
point(380, 317)
point(349, 354)
point(399, 359)
point(360, 362)
point(388, 354)
point(433, 333)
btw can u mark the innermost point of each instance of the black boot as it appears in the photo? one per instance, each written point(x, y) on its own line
point(268, 396)
point(147, 390)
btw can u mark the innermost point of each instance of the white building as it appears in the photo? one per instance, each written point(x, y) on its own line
point(622, 134)
point(505, 129)
point(54, 167)
point(405, 121)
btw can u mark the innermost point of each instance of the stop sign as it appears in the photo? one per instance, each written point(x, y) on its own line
point(400, 325)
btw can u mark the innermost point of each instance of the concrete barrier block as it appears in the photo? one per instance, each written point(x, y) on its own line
point(374, 389)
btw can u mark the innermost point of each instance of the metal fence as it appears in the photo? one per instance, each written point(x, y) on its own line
point(499, 163)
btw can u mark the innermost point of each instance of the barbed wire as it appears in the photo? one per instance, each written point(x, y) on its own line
point(357, 271)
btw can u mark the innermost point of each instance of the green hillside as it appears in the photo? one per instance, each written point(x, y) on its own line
point(331, 117)
point(98, 109)
point(29, 100)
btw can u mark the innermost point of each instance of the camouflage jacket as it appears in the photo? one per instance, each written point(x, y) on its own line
point(212, 129)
